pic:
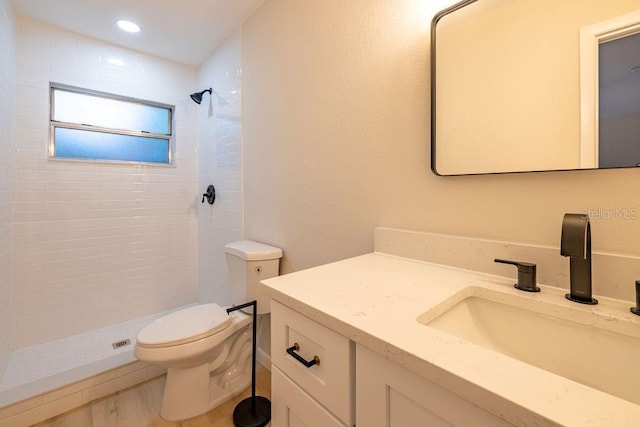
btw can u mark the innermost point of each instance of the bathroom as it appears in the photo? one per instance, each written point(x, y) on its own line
point(329, 117)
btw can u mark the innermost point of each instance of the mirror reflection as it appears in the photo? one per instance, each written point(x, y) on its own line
point(533, 85)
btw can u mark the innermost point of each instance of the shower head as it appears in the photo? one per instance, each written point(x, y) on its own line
point(197, 96)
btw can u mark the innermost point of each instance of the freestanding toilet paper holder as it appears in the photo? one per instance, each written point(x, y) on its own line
point(254, 411)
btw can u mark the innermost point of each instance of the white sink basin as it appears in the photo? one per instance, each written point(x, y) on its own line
point(593, 346)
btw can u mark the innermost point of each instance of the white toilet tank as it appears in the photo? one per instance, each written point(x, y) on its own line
point(248, 263)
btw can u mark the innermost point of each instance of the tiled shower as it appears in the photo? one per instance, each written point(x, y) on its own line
point(87, 245)
point(7, 118)
point(96, 243)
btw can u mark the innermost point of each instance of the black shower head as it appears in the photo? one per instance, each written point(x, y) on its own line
point(197, 96)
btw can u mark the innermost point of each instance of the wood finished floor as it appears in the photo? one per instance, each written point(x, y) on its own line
point(139, 406)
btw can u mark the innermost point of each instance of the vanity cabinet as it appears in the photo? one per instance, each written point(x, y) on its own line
point(388, 395)
point(352, 384)
point(321, 395)
point(293, 407)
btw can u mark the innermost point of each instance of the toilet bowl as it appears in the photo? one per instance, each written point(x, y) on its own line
point(207, 352)
point(193, 344)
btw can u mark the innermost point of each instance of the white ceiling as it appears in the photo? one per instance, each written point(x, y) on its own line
point(185, 31)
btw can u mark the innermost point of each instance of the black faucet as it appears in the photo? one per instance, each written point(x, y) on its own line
point(575, 243)
point(526, 275)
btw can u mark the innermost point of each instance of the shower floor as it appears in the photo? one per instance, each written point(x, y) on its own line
point(44, 367)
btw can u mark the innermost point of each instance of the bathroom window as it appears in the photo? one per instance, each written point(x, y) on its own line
point(97, 126)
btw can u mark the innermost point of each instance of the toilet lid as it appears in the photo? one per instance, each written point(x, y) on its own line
point(183, 326)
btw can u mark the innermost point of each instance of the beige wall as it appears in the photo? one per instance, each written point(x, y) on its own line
point(336, 136)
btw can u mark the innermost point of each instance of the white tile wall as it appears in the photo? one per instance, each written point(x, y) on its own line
point(220, 164)
point(96, 244)
point(7, 119)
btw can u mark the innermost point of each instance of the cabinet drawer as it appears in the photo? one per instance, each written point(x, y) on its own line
point(331, 381)
point(292, 407)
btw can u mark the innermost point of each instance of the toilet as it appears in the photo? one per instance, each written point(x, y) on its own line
point(206, 351)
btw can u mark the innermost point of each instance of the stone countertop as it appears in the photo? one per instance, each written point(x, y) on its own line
point(375, 299)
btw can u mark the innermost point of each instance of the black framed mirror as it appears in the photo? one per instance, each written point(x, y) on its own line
point(535, 85)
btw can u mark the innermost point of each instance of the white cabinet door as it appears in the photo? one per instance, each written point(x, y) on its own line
point(388, 395)
point(293, 407)
point(330, 382)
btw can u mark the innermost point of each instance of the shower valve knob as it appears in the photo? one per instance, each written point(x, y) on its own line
point(210, 195)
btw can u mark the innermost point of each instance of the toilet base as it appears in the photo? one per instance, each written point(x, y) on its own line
point(190, 392)
point(177, 406)
point(186, 393)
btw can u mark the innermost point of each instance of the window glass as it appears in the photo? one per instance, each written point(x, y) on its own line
point(86, 144)
point(109, 113)
point(98, 126)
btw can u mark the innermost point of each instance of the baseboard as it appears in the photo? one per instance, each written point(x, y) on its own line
point(263, 358)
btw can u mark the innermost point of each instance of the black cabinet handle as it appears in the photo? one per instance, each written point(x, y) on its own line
point(308, 363)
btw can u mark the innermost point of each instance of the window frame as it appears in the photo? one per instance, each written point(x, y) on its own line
point(53, 124)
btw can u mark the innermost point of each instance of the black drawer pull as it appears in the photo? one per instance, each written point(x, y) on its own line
point(308, 363)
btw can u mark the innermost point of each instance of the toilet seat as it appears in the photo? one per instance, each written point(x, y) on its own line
point(185, 326)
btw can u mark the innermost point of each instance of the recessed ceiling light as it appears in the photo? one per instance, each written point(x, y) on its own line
point(128, 26)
